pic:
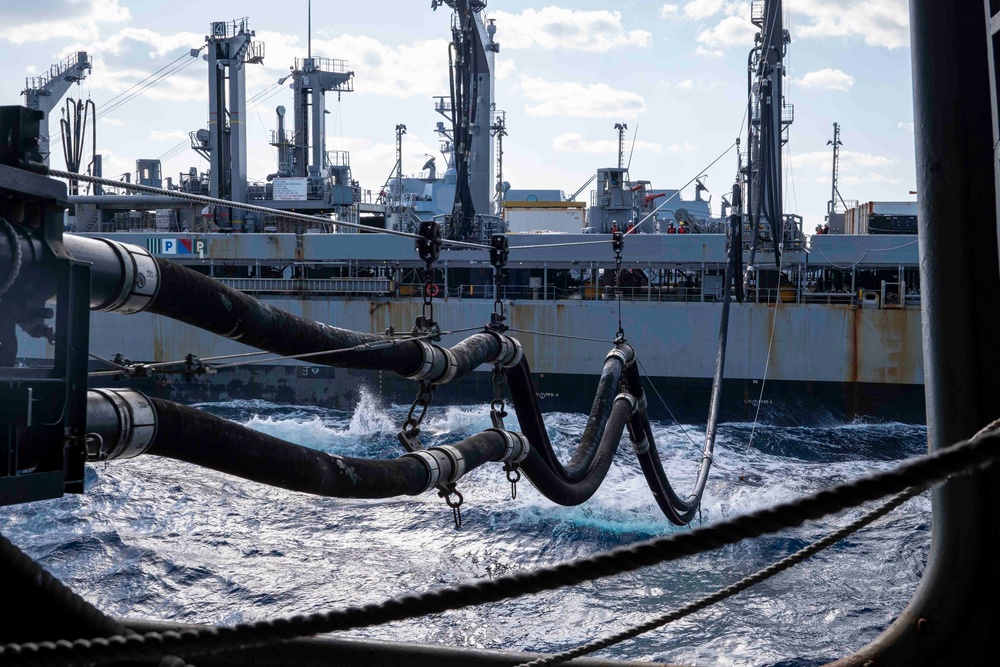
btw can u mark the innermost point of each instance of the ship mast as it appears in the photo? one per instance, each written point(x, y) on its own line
point(769, 118)
point(499, 130)
point(831, 206)
point(621, 127)
point(471, 57)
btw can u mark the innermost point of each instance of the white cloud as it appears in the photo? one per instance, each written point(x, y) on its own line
point(155, 45)
point(562, 28)
point(827, 79)
point(686, 84)
point(683, 147)
point(572, 142)
point(730, 31)
point(504, 68)
point(419, 69)
point(22, 22)
point(848, 160)
point(667, 10)
point(869, 178)
point(712, 53)
point(114, 122)
point(702, 9)
point(167, 135)
point(905, 127)
point(577, 100)
point(877, 22)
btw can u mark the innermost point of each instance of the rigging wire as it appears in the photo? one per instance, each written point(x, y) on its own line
point(107, 361)
point(175, 151)
point(555, 335)
point(135, 85)
point(364, 346)
point(638, 224)
point(151, 84)
point(649, 379)
point(246, 207)
point(263, 129)
point(767, 359)
point(259, 102)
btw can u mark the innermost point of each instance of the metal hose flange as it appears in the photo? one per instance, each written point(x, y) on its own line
point(517, 447)
point(123, 419)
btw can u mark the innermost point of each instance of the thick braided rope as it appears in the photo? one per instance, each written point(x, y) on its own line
point(17, 566)
point(728, 591)
point(919, 471)
point(15, 251)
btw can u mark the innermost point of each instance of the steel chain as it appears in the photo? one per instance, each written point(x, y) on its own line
point(409, 433)
point(618, 244)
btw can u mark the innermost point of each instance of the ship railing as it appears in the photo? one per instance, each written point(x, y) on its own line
point(829, 298)
point(320, 64)
point(589, 292)
point(80, 60)
point(328, 286)
point(227, 29)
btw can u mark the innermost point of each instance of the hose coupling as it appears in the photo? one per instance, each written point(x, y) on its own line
point(630, 399)
point(642, 446)
point(623, 352)
point(438, 365)
point(510, 353)
point(456, 459)
point(517, 446)
point(140, 279)
point(445, 464)
point(136, 422)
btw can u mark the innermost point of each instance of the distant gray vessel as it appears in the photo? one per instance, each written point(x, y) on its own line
point(833, 333)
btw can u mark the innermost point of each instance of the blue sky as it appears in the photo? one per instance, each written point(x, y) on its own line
point(675, 72)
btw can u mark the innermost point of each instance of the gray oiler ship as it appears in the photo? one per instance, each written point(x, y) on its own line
point(833, 334)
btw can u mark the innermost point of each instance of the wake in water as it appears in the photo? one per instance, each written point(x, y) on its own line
point(158, 538)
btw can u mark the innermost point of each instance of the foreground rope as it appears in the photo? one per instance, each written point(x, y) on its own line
point(917, 472)
point(15, 250)
point(728, 591)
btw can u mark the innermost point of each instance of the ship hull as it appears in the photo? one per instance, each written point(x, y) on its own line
point(806, 363)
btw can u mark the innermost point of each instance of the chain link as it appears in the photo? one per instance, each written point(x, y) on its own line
point(409, 434)
point(429, 249)
point(455, 505)
point(499, 251)
point(618, 244)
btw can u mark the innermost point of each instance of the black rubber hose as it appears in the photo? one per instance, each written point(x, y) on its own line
point(679, 511)
point(200, 301)
point(557, 489)
point(474, 351)
point(190, 435)
point(529, 416)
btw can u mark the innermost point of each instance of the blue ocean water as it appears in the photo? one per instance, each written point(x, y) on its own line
point(161, 539)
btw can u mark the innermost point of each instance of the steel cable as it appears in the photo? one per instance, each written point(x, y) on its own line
point(732, 589)
point(919, 471)
point(253, 208)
